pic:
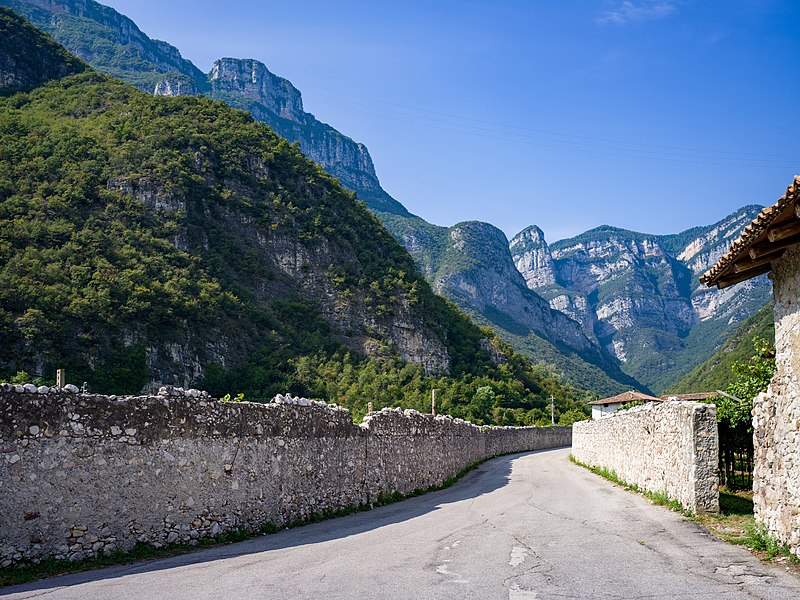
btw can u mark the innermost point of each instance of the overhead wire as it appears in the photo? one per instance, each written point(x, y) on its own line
point(544, 138)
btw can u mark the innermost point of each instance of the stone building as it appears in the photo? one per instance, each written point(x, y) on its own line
point(608, 406)
point(771, 243)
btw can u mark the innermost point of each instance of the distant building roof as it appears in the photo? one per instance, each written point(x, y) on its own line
point(765, 239)
point(631, 396)
point(695, 396)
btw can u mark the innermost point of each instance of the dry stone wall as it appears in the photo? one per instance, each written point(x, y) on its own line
point(669, 447)
point(776, 415)
point(84, 474)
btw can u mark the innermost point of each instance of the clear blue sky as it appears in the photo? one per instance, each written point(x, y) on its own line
point(649, 115)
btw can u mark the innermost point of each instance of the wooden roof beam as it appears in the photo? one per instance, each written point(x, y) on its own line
point(780, 232)
point(724, 282)
point(746, 265)
point(766, 247)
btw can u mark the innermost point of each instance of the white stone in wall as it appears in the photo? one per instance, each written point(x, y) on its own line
point(669, 447)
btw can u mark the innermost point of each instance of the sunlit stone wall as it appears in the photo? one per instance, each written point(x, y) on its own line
point(670, 447)
point(81, 475)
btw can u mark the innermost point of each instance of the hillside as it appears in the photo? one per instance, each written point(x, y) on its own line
point(715, 373)
point(148, 240)
point(28, 59)
point(113, 44)
point(646, 319)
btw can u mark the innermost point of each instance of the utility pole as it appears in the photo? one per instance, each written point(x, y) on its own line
point(552, 410)
point(433, 402)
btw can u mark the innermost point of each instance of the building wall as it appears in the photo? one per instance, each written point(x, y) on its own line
point(776, 415)
point(669, 447)
point(85, 474)
point(598, 410)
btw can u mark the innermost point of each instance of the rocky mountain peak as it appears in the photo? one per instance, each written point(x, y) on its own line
point(532, 257)
point(251, 79)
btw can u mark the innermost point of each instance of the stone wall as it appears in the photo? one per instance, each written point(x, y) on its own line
point(669, 447)
point(85, 474)
point(776, 415)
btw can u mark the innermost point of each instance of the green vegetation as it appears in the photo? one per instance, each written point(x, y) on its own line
point(139, 232)
point(35, 58)
point(717, 373)
point(751, 377)
point(96, 36)
point(660, 498)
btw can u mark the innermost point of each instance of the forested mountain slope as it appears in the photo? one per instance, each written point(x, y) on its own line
point(646, 322)
point(148, 240)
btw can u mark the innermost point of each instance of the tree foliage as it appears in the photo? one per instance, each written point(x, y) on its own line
point(138, 231)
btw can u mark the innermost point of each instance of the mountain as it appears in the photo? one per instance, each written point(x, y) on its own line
point(643, 297)
point(249, 85)
point(113, 44)
point(148, 240)
point(638, 294)
point(28, 60)
point(715, 373)
point(470, 263)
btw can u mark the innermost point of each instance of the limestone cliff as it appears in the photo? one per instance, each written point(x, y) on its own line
point(248, 84)
point(639, 295)
point(532, 257)
point(110, 42)
point(470, 263)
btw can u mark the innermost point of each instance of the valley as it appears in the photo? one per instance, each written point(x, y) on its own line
point(577, 307)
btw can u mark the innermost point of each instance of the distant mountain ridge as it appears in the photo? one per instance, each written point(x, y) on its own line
point(624, 291)
point(638, 294)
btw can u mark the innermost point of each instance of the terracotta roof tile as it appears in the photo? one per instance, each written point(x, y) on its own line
point(748, 236)
point(631, 396)
point(694, 396)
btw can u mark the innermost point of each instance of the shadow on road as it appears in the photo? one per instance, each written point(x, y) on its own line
point(487, 478)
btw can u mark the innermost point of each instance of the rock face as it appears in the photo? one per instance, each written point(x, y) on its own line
point(175, 85)
point(109, 41)
point(638, 294)
point(248, 84)
point(532, 257)
point(485, 280)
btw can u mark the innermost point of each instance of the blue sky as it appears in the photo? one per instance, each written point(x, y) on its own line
point(649, 115)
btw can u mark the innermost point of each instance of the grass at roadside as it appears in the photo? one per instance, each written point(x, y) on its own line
point(734, 524)
point(659, 498)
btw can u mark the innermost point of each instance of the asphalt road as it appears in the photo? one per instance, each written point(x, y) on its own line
point(530, 526)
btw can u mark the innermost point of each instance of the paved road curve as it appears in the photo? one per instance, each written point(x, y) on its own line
point(520, 527)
